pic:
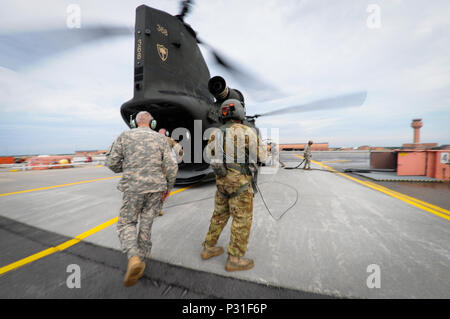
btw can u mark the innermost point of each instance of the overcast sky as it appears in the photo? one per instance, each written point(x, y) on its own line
point(398, 51)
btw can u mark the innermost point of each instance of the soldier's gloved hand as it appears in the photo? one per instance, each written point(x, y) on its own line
point(165, 195)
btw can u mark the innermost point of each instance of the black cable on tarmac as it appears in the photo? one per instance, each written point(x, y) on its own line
point(260, 194)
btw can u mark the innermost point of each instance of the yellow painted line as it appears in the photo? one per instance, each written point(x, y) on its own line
point(182, 189)
point(70, 242)
point(60, 247)
point(405, 199)
point(336, 161)
point(433, 209)
point(27, 260)
point(56, 186)
point(442, 210)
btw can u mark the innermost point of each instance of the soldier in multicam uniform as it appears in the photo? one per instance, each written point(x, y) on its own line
point(149, 172)
point(307, 155)
point(234, 195)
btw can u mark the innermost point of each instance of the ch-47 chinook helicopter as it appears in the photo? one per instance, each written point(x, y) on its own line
point(173, 83)
point(171, 78)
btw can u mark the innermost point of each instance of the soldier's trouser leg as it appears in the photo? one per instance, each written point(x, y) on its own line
point(219, 220)
point(307, 163)
point(142, 207)
point(241, 208)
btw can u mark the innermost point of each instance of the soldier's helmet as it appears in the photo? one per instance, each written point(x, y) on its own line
point(232, 109)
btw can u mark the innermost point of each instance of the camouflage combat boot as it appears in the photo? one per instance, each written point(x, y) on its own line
point(211, 252)
point(238, 263)
point(135, 271)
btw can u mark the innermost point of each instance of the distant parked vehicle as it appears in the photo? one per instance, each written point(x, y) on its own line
point(80, 159)
point(100, 158)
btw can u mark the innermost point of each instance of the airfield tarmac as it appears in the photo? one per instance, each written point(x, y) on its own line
point(321, 247)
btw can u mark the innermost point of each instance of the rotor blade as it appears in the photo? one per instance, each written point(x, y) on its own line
point(186, 6)
point(21, 49)
point(342, 101)
point(260, 90)
point(219, 58)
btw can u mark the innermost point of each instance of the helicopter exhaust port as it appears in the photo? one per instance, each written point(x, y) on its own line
point(219, 89)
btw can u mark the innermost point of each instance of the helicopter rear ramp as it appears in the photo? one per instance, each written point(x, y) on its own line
point(322, 234)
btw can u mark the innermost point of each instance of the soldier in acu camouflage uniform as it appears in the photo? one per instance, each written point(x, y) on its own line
point(149, 172)
point(307, 155)
point(177, 149)
point(234, 195)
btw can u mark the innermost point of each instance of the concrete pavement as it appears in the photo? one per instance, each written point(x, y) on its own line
point(324, 244)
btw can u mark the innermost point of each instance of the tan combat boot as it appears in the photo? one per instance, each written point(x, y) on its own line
point(211, 252)
point(238, 263)
point(135, 271)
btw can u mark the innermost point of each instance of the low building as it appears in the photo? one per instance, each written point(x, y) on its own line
point(90, 153)
point(420, 146)
point(371, 148)
point(432, 163)
point(6, 160)
point(426, 159)
point(301, 147)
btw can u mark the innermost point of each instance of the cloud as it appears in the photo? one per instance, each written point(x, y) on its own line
point(307, 49)
point(87, 83)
